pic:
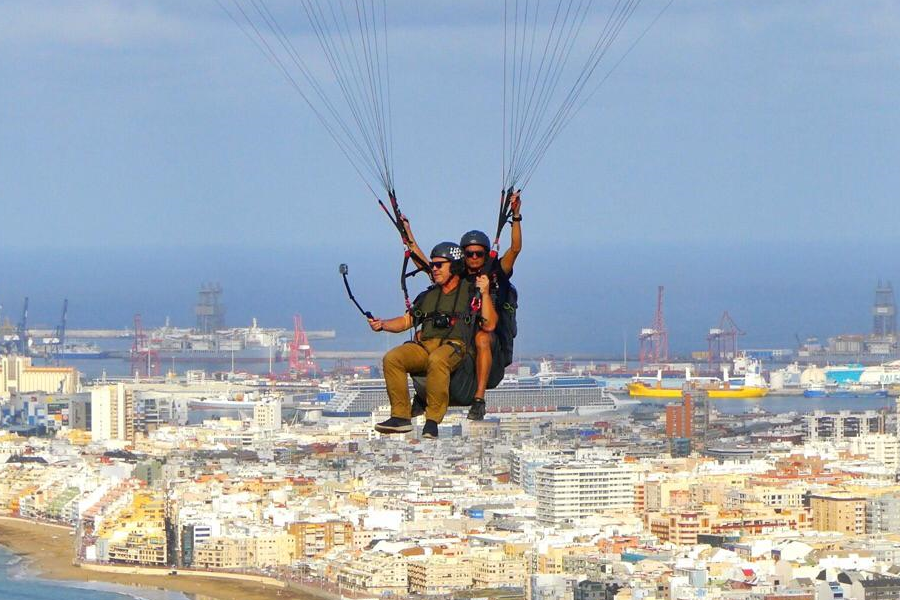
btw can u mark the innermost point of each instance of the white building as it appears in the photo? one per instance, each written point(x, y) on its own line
point(574, 490)
point(883, 447)
point(111, 413)
point(267, 414)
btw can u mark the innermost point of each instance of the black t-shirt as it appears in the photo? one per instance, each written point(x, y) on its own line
point(499, 281)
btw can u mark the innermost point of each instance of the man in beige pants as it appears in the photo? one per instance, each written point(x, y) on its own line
point(448, 319)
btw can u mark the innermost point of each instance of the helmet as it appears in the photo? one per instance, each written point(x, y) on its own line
point(451, 252)
point(475, 238)
point(447, 250)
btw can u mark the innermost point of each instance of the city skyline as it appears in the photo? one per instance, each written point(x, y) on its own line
point(693, 393)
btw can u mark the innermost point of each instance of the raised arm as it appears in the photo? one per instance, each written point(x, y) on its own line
point(508, 260)
point(416, 254)
point(395, 325)
point(488, 312)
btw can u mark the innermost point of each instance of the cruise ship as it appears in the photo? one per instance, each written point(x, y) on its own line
point(542, 393)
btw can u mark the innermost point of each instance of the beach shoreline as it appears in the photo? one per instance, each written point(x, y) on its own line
point(48, 550)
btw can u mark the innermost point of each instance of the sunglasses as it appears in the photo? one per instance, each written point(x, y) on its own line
point(438, 265)
point(475, 253)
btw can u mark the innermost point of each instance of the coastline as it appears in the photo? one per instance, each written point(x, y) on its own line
point(48, 551)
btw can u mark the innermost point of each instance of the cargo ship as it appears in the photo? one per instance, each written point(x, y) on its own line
point(640, 389)
point(750, 386)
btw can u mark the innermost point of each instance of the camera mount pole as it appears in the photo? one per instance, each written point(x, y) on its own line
point(344, 270)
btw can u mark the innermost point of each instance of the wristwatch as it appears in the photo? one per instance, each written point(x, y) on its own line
point(516, 218)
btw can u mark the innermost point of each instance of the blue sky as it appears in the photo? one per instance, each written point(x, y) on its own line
point(744, 155)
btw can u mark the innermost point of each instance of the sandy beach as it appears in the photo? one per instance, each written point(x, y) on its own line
point(48, 548)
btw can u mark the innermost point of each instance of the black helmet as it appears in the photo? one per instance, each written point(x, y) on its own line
point(451, 252)
point(475, 238)
point(447, 250)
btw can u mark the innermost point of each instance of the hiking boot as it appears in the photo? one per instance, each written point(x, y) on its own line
point(394, 425)
point(430, 431)
point(477, 410)
point(418, 407)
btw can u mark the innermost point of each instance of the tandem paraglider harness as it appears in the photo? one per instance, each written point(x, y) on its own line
point(508, 296)
point(463, 383)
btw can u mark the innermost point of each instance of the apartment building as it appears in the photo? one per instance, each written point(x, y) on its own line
point(270, 548)
point(838, 511)
point(267, 414)
point(681, 527)
point(314, 539)
point(220, 553)
point(439, 574)
point(771, 496)
point(376, 573)
point(112, 413)
point(882, 447)
point(495, 568)
point(883, 514)
point(840, 426)
point(138, 533)
point(574, 490)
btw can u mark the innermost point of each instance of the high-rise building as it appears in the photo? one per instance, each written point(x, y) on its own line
point(687, 420)
point(679, 418)
point(840, 426)
point(112, 413)
point(884, 313)
point(570, 491)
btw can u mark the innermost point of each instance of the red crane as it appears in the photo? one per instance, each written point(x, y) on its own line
point(301, 361)
point(144, 361)
point(655, 340)
point(722, 340)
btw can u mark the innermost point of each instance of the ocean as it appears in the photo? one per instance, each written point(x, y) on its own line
point(18, 583)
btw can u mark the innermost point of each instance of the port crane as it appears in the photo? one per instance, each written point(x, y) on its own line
point(722, 340)
point(300, 361)
point(654, 341)
point(144, 360)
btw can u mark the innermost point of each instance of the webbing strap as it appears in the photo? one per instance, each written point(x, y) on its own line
point(397, 219)
point(503, 218)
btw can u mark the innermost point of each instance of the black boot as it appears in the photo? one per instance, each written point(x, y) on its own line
point(477, 410)
point(394, 425)
point(430, 431)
